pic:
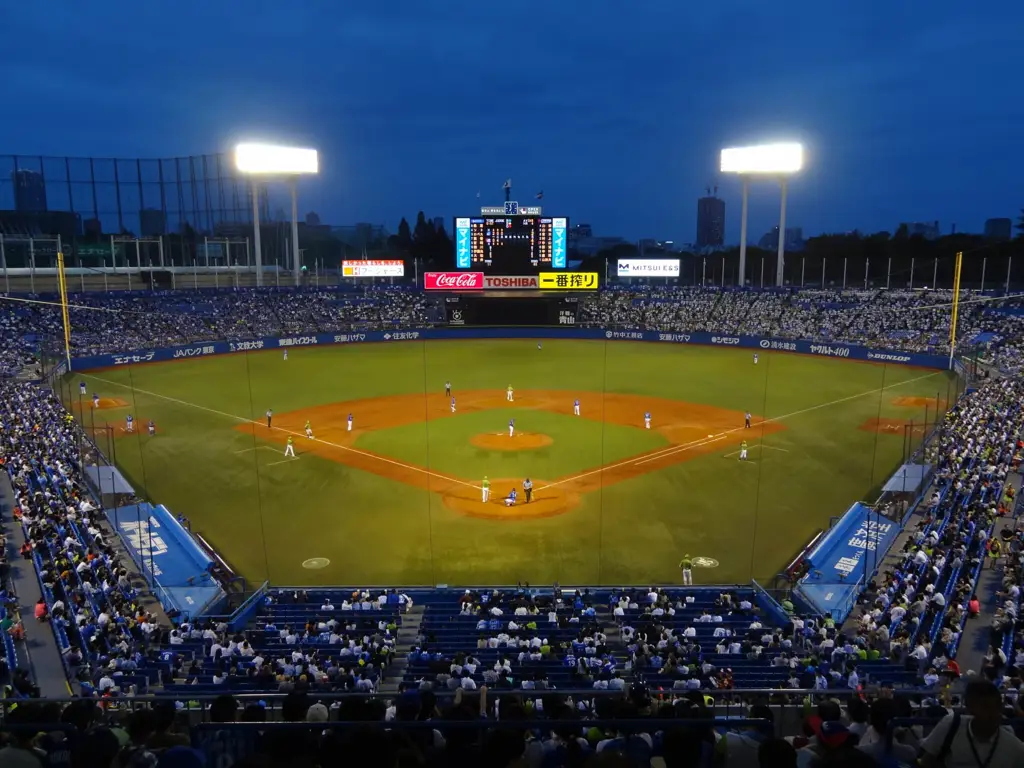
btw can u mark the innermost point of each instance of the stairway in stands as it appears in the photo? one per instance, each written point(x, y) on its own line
point(408, 632)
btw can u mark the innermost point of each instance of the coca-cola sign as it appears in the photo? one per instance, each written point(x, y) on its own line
point(453, 281)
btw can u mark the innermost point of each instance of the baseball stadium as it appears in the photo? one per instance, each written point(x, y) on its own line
point(491, 473)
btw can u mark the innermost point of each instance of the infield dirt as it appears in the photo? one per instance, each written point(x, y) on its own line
point(692, 430)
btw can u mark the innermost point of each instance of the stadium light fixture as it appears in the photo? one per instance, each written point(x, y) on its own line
point(772, 160)
point(273, 161)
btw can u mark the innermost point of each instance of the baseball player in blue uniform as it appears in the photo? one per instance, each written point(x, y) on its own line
point(350, 422)
point(129, 423)
point(453, 405)
point(511, 427)
point(576, 407)
point(647, 420)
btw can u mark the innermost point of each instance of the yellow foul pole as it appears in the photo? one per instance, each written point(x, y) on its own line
point(62, 280)
point(956, 307)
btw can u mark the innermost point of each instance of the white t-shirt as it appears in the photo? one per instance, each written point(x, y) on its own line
point(1009, 750)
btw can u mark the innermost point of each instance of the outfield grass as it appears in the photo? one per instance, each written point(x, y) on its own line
point(267, 516)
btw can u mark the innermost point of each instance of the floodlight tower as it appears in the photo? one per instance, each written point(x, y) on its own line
point(268, 161)
point(778, 161)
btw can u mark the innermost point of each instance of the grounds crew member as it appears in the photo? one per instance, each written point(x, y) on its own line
point(686, 566)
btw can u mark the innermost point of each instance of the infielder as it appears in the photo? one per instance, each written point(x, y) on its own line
point(350, 422)
point(508, 393)
point(743, 451)
point(129, 423)
point(270, 416)
point(746, 420)
point(686, 566)
point(576, 407)
point(453, 405)
point(485, 490)
point(289, 449)
point(309, 430)
point(647, 420)
point(95, 401)
point(511, 427)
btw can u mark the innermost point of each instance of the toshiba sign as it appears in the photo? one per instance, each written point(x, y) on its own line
point(507, 282)
point(453, 281)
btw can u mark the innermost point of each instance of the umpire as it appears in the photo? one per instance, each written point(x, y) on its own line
point(528, 490)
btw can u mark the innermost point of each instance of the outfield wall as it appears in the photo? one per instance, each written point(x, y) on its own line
point(754, 343)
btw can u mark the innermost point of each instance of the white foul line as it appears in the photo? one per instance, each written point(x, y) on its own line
point(385, 459)
point(674, 449)
point(284, 461)
point(759, 445)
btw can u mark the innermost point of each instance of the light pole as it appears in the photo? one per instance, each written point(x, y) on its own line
point(777, 161)
point(269, 161)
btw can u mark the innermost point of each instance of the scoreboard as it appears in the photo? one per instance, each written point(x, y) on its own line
point(510, 244)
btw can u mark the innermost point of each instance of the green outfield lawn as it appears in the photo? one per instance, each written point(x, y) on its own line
point(578, 444)
point(268, 516)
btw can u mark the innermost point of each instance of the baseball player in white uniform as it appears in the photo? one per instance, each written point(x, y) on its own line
point(511, 427)
point(576, 407)
point(508, 393)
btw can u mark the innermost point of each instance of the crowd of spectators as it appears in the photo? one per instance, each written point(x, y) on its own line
point(915, 321)
point(104, 323)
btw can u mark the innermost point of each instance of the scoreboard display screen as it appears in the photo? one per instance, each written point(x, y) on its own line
point(510, 244)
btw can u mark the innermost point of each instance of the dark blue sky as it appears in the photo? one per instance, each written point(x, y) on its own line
point(617, 110)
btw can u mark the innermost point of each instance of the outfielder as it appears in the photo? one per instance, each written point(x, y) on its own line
point(686, 566)
point(485, 490)
point(511, 427)
point(286, 354)
point(508, 393)
point(289, 449)
point(309, 430)
point(81, 388)
point(755, 358)
point(576, 407)
point(743, 451)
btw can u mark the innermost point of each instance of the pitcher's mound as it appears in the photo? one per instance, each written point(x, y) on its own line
point(547, 502)
point(520, 441)
point(891, 427)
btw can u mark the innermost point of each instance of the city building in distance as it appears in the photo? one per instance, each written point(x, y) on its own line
point(710, 221)
point(998, 229)
point(29, 191)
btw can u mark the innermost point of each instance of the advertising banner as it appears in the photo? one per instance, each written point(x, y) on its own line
point(752, 343)
point(647, 268)
point(175, 566)
point(373, 268)
point(846, 556)
point(558, 243)
point(509, 282)
point(568, 281)
point(453, 281)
